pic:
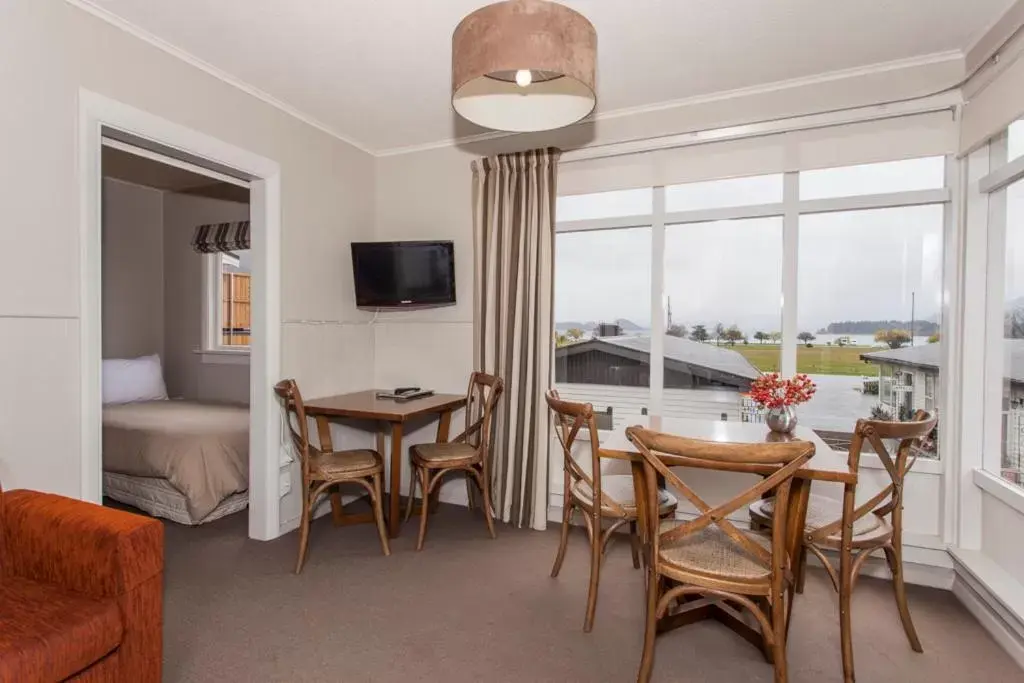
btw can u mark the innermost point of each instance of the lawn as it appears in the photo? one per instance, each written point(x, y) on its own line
point(816, 360)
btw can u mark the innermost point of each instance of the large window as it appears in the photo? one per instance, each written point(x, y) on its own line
point(834, 272)
point(870, 311)
point(602, 321)
point(1011, 464)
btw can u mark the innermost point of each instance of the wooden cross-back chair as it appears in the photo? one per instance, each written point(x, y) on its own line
point(707, 566)
point(581, 489)
point(857, 531)
point(323, 470)
point(468, 452)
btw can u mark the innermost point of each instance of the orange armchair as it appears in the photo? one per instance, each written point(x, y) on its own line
point(81, 591)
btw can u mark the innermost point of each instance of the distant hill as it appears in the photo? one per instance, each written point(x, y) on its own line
point(626, 325)
point(921, 327)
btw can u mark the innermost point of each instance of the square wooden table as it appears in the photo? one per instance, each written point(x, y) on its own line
point(824, 465)
point(391, 416)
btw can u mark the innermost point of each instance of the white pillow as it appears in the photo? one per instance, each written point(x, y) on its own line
point(127, 380)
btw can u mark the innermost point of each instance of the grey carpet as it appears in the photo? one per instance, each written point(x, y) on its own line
point(471, 609)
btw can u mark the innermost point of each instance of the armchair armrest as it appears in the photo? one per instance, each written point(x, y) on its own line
point(79, 546)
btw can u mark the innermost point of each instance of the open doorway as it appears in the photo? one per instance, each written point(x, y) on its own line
point(176, 335)
point(102, 121)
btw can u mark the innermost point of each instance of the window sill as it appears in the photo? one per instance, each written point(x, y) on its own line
point(1002, 490)
point(223, 356)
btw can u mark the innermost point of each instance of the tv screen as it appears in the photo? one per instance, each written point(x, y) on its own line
point(403, 273)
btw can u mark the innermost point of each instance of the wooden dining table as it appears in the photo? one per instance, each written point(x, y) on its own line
point(825, 465)
point(391, 418)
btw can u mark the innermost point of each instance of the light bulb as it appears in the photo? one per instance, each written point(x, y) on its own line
point(524, 77)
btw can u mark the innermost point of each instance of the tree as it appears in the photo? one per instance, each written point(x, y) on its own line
point(894, 339)
point(719, 333)
point(699, 333)
point(732, 335)
point(762, 336)
point(934, 339)
point(676, 331)
point(806, 338)
point(776, 337)
point(574, 333)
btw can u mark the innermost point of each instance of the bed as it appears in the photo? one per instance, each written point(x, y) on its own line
point(181, 460)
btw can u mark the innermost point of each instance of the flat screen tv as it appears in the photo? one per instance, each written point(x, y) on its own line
point(390, 274)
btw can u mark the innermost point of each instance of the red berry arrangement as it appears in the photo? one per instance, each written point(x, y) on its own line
point(771, 391)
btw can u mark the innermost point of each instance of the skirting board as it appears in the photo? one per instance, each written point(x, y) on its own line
point(974, 584)
point(922, 566)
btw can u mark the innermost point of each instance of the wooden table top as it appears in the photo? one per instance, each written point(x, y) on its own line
point(365, 404)
point(825, 465)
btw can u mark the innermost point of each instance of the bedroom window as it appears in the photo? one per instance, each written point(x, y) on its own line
point(228, 302)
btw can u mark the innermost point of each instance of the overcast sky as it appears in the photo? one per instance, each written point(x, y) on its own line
point(862, 265)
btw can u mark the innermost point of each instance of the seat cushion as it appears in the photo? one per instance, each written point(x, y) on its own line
point(442, 453)
point(712, 552)
point(821, 512)
point(48, 635)
point(619, 487)
point(346, 463)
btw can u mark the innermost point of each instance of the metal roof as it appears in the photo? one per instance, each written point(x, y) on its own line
point(677, 350)
point(929, 357)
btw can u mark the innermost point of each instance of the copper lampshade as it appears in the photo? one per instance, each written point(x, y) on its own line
point(524, 65)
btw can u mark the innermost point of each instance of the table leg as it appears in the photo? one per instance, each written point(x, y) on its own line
point(394, 498)
point(323, 430)
point(799, 497)
point(846, 581)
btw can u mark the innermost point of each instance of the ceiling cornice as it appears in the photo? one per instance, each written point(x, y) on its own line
point(738, 93)
point(161, 44)
point(858, 72)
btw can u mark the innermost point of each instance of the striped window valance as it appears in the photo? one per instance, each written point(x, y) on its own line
point(221, 237)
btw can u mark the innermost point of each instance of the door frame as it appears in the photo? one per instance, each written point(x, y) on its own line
point(99, 116)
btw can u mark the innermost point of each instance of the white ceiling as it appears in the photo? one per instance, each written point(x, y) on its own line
point(378, 72)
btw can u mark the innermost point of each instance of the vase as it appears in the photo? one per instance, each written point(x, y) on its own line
point(781, 420)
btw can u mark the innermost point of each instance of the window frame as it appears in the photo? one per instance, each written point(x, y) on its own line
point(212, 349)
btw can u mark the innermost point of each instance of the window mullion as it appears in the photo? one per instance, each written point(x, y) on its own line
point(657, 355)
point(790, 255)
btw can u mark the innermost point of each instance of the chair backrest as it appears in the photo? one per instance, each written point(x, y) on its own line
point(481, 400)
point(874, 432)
point(295, 417)
point(570, 421)
point(777, 462)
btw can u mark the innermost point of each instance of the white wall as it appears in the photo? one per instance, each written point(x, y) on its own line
point(133, 270)
point(187, 375)
point(50, 50)
point(1000, 535)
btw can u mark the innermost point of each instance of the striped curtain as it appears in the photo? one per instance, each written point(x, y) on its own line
point(514, 240)
point(221, 237)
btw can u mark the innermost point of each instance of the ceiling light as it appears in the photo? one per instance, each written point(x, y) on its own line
point(491, 47)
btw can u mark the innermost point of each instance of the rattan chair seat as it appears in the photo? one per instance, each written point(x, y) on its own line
point(711, 552)
point(345, 463)
point(445, 453)
point(619, 487)
point(821, 512)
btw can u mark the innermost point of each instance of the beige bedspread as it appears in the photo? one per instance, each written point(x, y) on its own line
point(201, 449)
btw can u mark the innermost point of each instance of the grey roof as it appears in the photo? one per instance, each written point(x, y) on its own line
point(929, 357)
point(686, 351)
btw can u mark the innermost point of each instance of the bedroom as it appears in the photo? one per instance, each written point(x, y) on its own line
point(176, 325)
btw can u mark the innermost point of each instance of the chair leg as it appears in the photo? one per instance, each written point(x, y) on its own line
point(801, 569)
point(595, 573)
point(378, 513)
point(650, 626)
point(779, 634)
point(567, 512)
point(424, 507)
point(845, 621)
point(895, 560)
point(488, 509)
point(634, 544)
point(469, 492)
point(303, 533)
point(412, 493)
